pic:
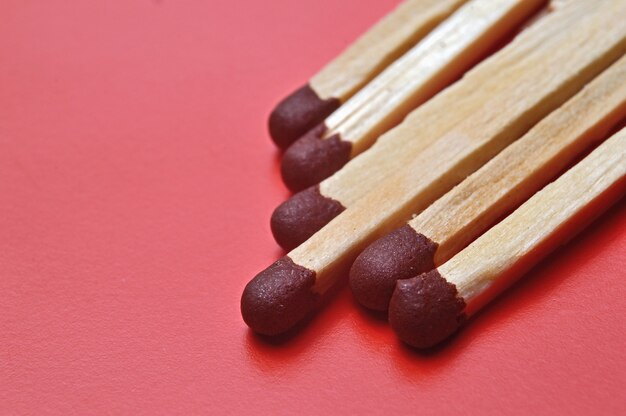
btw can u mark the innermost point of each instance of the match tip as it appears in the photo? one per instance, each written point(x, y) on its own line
point(401, 254)
point(297, 114)
point(311, 159)
point(278, 298)
point(301, 216)
point(425, 310)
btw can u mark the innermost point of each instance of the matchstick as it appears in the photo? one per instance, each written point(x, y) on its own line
point(427, 309)
point(437, 60)
point(282, 295)
point(357, 65)
point(513, 176)
point(528, 76)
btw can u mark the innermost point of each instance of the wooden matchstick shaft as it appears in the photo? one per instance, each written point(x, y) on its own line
point(536, 222)
point(510, 91)
point(380, 46)
point(438, 59)
point(358, 64)
point(521, 69)
point(457, 218)
point(428, 308)
point(515, 175)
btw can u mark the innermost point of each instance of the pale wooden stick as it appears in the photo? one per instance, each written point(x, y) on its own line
point(461, 215)
point(442, 56)
point(426, 309)
point(504, 95)
point(380, 46)
point(438, 59)
point(513, 175)
point(357, 65)
point(534, 223)
point(533, 63)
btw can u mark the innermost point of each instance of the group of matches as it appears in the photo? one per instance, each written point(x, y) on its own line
point(451, 148)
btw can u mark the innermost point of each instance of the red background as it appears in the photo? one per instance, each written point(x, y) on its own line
point(136, 184)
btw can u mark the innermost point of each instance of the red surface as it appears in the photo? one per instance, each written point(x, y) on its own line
point(136, 184)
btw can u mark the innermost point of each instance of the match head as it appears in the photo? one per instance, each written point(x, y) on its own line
point(297, 114)
point(279, 297)
point(425, 310)
point(301, 216)
point(401, 254)
point(311, 159)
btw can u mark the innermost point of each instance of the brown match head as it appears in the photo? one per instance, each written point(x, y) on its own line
point(311, 159)
point(298, 113)
point(301, 216)
point(401, 254)
point(425, 310)
point(279, 297)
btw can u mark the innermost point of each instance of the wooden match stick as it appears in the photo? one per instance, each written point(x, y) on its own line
point(527, 77)
point(427, 309)
point(464, 213)
point(282, 295)
point(357, 65)
point(437, 60)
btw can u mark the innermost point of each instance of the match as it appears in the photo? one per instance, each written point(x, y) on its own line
point(356, 66)
point(428, 308)
point(437, 60)
point(275, 300)
point(510, 91)
point(489, 194)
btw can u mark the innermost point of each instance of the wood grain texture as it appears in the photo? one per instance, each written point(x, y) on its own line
point(379, 46)
point(517, 172)
point(438, 59)
point(516, 79)
point(539, 225)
